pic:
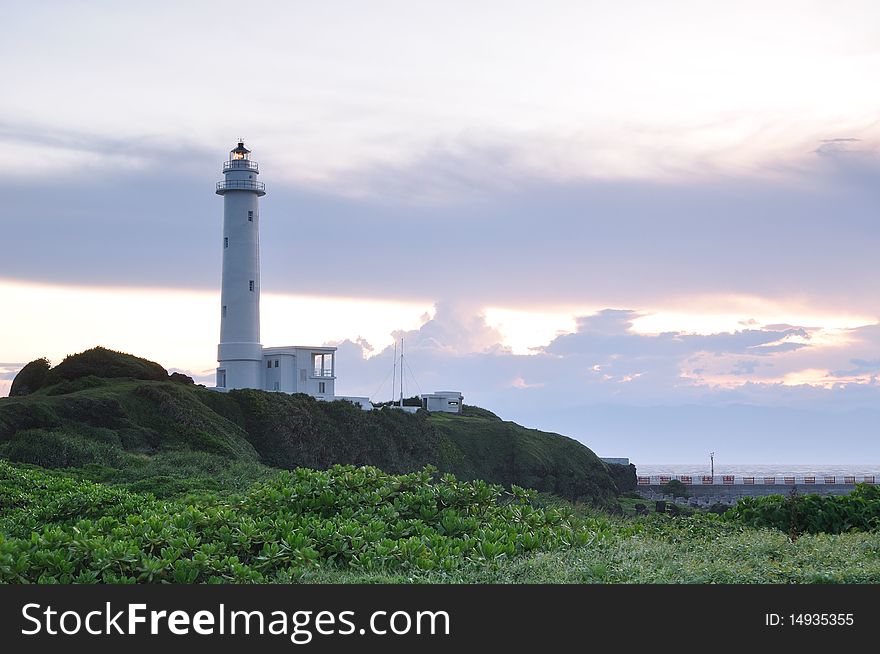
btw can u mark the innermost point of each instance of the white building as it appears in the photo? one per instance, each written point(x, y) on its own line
point(243, 361)
point(298, 369)
point(446, 401)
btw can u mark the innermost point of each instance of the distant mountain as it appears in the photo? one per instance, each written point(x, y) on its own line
point(123, 419)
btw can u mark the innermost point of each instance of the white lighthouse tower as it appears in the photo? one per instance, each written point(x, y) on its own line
point(240, 353)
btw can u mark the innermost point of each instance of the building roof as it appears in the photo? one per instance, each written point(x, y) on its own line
point(282, 348)
point(240, 149)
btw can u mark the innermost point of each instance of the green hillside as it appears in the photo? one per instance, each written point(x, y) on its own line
point(507, 453)
point(117, 419)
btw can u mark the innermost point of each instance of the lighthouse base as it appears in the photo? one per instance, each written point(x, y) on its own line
point(240, 365)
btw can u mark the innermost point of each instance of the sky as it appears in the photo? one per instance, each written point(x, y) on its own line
point(652, 227)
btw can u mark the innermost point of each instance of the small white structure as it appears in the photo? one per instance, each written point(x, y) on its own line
point(406, 408)
point(243, 361)
point(299, 369)
point(618, 461)
point(446, 401)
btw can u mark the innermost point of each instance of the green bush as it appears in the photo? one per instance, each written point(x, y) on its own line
point(75, 385)
point(344, 518)
point(101, 362)
point(814, 514)
point(675, 488)
point(359, 525)
point(470, 411)
point(30, 378)
point(52, 449)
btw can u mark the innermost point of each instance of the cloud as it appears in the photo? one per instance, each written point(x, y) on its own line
point(526, 244)
point(830, 147)
point(610, 331)
point(585, 384)
point(859, 367)
point(745, 367)
point(456, 346)
point(521, 383)
point(8, 371)
point(454, 329)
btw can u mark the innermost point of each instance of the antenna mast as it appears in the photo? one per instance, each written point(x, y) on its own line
point(394, 372)
point(401, 372)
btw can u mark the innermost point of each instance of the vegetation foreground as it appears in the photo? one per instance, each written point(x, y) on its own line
point(355, 525)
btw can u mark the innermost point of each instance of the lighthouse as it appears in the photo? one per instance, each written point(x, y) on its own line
point(243, 361)
point(240, 353)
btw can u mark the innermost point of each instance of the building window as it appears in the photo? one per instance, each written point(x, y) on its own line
point(322, 387)
point(276, 363)
point(225, 241)
point(221, 378)
point(223, 311)
point(268, 364)
point(276, 386)
point(251, 285)
point(250, 216)
point(323, 365)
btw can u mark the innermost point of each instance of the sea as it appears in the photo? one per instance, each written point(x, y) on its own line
point(757, 469)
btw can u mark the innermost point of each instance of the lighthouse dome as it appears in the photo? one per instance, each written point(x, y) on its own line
point(239, 152)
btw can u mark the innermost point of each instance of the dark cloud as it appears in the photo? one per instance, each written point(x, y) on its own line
point(860, 367)
point(608, 332)
point(94, 150)
point(745, 367)
point(830, 147)
point(520, 242)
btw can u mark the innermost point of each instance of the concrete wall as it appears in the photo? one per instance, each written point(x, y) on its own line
point(280, 372)
point(711, 493)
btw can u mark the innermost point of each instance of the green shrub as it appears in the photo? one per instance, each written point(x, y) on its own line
point(30, 378)
point(75, 385)
point(360, 525)
point(345, 518)
point(52, 449)
point(470, 411)
point(798, 514)
point(102, 362)
point(675, 488)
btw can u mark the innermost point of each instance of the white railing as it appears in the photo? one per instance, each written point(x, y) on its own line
point(241, 185)
point(778, 480)
point(240, 164)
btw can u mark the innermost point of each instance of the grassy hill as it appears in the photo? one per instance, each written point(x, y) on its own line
point(123, 420)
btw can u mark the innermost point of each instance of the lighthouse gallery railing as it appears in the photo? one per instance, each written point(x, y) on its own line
point(240, 164)
point(240, 185)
